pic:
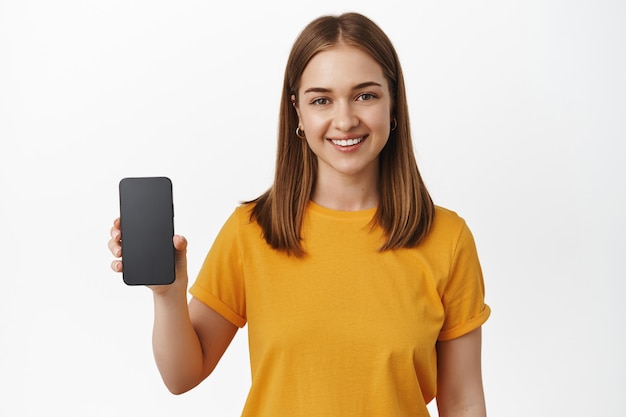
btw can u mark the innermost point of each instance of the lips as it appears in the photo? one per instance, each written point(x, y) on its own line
point(347, 142)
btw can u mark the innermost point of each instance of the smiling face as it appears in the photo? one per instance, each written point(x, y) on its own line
point(344, 107)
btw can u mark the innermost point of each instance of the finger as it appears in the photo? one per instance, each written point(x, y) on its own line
point(115, 247)
point(180, 243)
point(117, 266)
point(116, 234)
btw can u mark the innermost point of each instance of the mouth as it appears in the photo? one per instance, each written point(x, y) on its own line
point(344, 143)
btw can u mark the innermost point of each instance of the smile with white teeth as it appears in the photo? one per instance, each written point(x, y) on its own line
point(346, 142)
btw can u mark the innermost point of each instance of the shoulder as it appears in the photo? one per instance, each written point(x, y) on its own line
point(239, 219)
point(244, 211)
point(242, 220)
point(237, 231)
point(448, 230)
point(447, 220)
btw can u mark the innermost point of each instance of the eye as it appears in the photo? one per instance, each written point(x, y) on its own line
point(366, 97)
point(321, 101)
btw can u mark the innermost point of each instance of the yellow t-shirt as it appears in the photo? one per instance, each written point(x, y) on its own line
point(347, 330)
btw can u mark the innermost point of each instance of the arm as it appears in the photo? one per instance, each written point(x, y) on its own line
point(188, 339)
point(459, 381)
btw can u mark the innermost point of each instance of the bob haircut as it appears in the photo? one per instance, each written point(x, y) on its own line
point(405, 210)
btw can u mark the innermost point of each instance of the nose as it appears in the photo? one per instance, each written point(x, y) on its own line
point(345, 117)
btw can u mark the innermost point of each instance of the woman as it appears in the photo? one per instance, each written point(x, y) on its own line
point(361, 297)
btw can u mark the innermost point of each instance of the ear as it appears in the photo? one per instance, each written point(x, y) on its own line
point(294, 103)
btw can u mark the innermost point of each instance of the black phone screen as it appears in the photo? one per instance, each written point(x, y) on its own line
point(147, 226)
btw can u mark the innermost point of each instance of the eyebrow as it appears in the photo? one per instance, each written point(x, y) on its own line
point(356, 87)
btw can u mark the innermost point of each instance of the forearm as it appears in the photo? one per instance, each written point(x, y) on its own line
point(176, 346)
point(473, 410)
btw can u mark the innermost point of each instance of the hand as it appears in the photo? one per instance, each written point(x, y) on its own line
point(180, 246)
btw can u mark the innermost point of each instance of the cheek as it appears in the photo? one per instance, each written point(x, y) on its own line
point(313, 122)
point(379, 121)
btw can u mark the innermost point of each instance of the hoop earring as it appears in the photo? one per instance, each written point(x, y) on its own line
point(394, 124)
point(300, 133)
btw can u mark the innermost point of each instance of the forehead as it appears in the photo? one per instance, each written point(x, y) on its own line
point(342, 66)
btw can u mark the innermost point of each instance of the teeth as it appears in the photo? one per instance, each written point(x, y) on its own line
point(347, 142)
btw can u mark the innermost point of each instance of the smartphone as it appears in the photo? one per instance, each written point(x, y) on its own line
point(147, 226)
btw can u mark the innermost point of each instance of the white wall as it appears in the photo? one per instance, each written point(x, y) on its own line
point(518, 111)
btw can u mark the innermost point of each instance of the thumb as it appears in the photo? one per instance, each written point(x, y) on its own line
point(180, 244)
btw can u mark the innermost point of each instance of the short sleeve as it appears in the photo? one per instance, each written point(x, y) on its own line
point(220, 282)
point(464, 294)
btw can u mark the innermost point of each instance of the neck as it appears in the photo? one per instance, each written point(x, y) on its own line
point(346, 193)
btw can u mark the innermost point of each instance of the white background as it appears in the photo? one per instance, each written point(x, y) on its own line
point(518, 111)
